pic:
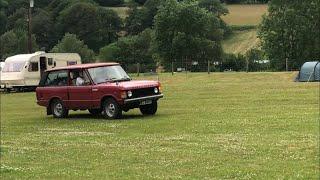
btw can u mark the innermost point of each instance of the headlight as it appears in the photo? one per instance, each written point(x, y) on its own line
point(156, 90)
point(129, 94)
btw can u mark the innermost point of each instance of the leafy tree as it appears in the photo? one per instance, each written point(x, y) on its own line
point(130, 50)
point(185, 32)
point(109, 52)
point(290, 32)
point(109, 2)
point(18, 19)
point(8, 43)
point(138, 20)
point(141, 2)
point(142, 18)
point(43, 28)
point(71, 44)
point(218, 9)
point(252, 56)
point(3, 16)
point(214, 6)
point(3, 22)
point(15, 42)
point(233, 62)
point(96, 26)
point(3, 4)
point(13, 6)
point(109, 24)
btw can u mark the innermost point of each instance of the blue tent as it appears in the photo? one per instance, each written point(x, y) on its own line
point(310, 71)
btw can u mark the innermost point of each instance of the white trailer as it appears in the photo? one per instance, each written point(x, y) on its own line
point(1, 66)
point(24, 71)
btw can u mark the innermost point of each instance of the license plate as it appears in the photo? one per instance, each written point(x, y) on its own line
point(145, 102)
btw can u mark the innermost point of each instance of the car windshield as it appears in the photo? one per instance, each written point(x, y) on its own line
point(13, 66)
point(108, 74)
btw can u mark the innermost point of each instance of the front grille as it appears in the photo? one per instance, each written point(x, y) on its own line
point(143, 92)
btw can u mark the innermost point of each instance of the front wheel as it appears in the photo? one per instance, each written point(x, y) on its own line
point(111, 109)
point(149, 109)
point(58, 109)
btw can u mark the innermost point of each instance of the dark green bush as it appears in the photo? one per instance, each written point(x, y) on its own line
point(109, 2)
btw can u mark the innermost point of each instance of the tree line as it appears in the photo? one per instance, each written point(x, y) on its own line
point(97, 32)
point(160, 32)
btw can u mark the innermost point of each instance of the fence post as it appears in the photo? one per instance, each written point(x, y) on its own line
point(287, 64)
point(138, 69)
point(247, 65)
point(208, 66)
point(186, 65)
point(172, 68)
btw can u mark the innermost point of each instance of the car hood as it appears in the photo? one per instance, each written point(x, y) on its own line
point(134, 84)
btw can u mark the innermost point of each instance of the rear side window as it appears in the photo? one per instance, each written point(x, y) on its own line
point(57, 78)
point(33, 67)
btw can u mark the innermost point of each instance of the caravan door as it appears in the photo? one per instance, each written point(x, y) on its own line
point(43, 65)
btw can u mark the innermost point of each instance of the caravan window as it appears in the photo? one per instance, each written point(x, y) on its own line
point(13, 66)
point(50, 61)
point(33, 67)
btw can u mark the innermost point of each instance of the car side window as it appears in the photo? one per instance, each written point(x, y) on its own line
point(57, 78)
point(33, 67)
point(79, 78)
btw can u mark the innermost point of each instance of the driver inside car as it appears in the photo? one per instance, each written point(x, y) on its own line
point(77, 78)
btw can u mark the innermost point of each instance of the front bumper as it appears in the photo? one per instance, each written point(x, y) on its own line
point(134, 100)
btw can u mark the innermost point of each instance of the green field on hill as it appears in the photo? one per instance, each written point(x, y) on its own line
point(217, 126)
point(245, 14)
point(242, 15)
point(239, 42)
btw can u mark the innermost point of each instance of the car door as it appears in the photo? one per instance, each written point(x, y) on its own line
point(55, 86)
point(79, 95)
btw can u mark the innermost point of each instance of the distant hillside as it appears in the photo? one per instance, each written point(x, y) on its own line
point(240, 41)
point(245, 14)
point(240, 15)
point(121, 11)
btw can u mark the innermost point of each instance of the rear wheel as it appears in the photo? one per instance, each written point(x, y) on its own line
point(58, 109)
point(111, 109)
point(149, 109)
point(95, 111)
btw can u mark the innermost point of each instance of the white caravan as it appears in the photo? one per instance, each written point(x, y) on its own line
point(1, 66)
point(24, 71)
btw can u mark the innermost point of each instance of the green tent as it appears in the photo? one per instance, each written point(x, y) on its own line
point(310, 71)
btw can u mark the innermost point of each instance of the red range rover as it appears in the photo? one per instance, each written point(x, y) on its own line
point(101, 88)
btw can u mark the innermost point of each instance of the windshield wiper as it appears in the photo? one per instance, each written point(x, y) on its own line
point(123, 79)
point(108, 80)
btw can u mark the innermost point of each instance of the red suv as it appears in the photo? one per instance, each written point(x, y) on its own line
point(102, 88)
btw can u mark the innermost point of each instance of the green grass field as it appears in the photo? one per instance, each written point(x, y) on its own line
point(217, 126)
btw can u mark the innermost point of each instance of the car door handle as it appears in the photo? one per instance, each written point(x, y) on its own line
point(94, 90)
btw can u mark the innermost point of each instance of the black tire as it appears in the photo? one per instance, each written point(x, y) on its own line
point(149, 109)
point(58, 109)
point(111, 109)
point(95, 111)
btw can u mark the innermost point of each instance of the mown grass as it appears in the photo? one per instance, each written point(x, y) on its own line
point(239, 42)
point(121, 11)
point(217, 126)
point(245, 14)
